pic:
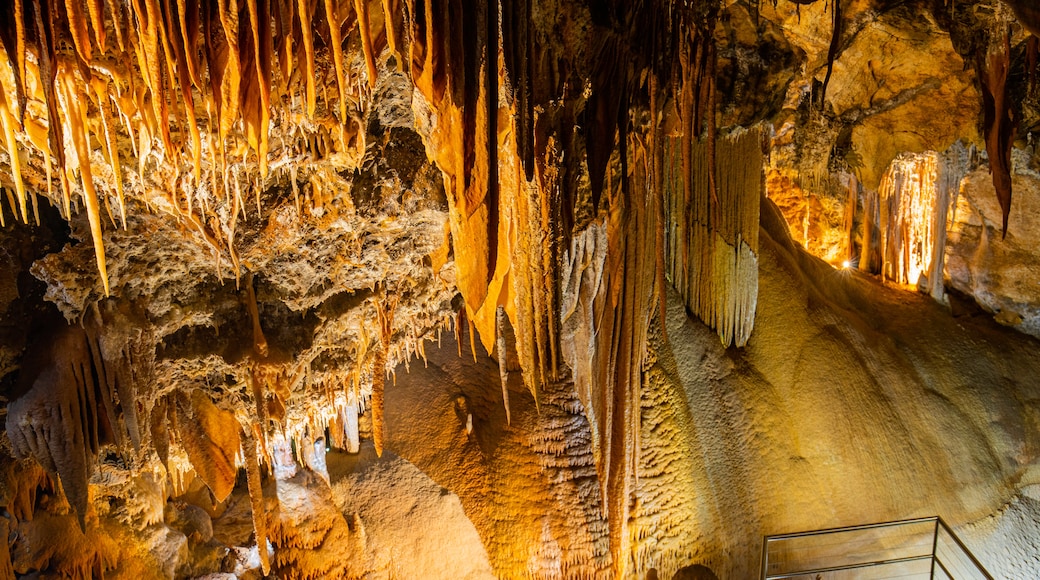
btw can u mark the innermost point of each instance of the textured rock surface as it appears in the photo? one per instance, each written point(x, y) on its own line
point(1001, 274)
point(257, 218)
point(409, 522)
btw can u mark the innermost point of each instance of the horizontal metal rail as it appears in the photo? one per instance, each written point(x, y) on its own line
point(907, 560)
point(825, 531)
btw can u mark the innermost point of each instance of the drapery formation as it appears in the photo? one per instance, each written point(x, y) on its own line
point(904, 222)
point(713, 242)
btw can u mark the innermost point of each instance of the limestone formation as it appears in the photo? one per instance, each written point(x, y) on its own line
point(307, 288)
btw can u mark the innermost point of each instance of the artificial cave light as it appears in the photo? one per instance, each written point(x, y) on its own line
point(651, 368)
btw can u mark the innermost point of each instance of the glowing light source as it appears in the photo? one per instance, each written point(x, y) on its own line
point(846, 264)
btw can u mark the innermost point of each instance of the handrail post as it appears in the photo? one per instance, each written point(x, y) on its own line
point(935, 547)
point(765, 557)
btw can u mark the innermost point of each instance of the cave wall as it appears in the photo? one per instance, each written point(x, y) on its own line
point(238, 232)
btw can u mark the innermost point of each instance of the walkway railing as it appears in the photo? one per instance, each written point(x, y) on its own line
point(924, 548)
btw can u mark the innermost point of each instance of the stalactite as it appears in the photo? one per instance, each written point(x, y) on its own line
point(657, 183)
point(8, 121)
point(998, 122)
point(306, 13)
point(100, 87)
point(44, 24)
point(210, 437)
point(77, 122)
point(180, 48)
point(832, 50)
point(188, 22)
point(6, 568)
point(391, 9)
point(491, 70)
point(115, 8)
point(259, 341)
point(56, 422)
point(78, 27)
point(1032, 59)
point(265, 59)
point(361, 9)
point(149, 31)
point(232, 75)
point(334, 20)
point(12, 36)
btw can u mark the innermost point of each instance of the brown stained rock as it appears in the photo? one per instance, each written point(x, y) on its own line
point(210, 436)
point(55, 543)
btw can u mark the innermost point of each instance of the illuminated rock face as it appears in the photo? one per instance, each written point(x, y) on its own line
point(1000, 274)
point(443, 238)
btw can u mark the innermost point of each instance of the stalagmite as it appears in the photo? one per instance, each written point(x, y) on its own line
point(953, 167)
point(848, 220)
point(913, 203)
point(256, 496)
point(385, 307)
point(350, 422)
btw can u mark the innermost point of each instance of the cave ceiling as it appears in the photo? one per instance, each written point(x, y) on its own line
point(233, 221)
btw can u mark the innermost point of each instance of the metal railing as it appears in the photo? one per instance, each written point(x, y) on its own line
point(923, 548)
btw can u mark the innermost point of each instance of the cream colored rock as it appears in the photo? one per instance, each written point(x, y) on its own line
point(410, 523)
point(1002, 275)
point(896, 79)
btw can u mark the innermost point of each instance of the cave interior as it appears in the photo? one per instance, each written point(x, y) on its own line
point(552, 289)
